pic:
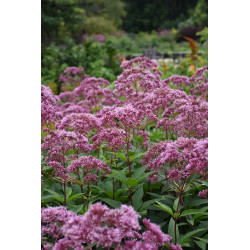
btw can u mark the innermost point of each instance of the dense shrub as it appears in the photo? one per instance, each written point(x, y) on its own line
point(139, 146)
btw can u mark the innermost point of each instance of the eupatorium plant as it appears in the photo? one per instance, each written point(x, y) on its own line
point(102, 226)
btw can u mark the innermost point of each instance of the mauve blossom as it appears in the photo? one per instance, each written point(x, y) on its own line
point(48, 105)
point(90, 166)
point(101, 226)
point(203, 194)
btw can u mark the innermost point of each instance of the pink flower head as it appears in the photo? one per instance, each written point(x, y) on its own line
point(90, 167)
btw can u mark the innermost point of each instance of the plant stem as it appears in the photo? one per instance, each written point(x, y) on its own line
point(128, 162)
point(88, 198)
point(81, 188)
point(64, 191)
point(175, 221)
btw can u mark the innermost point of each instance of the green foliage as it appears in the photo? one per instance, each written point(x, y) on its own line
point(98, 59)
point(148, 15)
point(99, 24)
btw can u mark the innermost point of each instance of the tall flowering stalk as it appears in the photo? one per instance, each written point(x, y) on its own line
point(88, 168)
point(60, 148)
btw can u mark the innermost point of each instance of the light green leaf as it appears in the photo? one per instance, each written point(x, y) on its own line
point(171, 229)
point(131, 158)
point(187, 236)
point(119, 155)
point(164, 207)
point(131, 182)
point(76, 196)
point(68, 192)
point(191, 211)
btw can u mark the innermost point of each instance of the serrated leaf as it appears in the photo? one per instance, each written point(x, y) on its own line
point(137, 198)
point(138, 172)
point(131, 182)
point(112, 203)
point(77, 209)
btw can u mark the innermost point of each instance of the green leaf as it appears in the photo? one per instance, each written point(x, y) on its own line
point(112, 203)
point(175, 204)
point(53, 192)
point(144, 176)
point(137, 198)
point(164, 207)
point(131, 182)
point(201, 244)
point(146, 204)
point(46, 168)
point(76, 196)
point(77, 209)
point(191, 211)
point(51, 196)
point(131, 158)
point(138, 172)
point(119, 155)
point(187, 236)
point(202, 239)
point(194, 203)
point(68, 192)
point(120, 175)
point(171, 229)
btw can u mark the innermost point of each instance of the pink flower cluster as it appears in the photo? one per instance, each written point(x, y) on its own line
point(48, 105)
point(196, 85)
point(140, 76)
point(61, 147)
point(88, 167)
point(178, 159)
point(102, 226)
point(71, 78)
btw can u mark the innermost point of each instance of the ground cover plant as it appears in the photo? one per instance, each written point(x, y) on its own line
point(125, 164)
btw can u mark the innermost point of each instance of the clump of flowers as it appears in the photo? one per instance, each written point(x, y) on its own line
point(60, 147)
point(71, 78)
point(178, 159)
point(87, 168)
point(81, 123)
point(111, 138)
point(187, 118)
point(48, 106)
point(52, 220)
point(140, 75)
point(90, 90)
point(106, 228)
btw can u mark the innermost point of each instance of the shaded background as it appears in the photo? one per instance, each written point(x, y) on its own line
point(99, 34)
